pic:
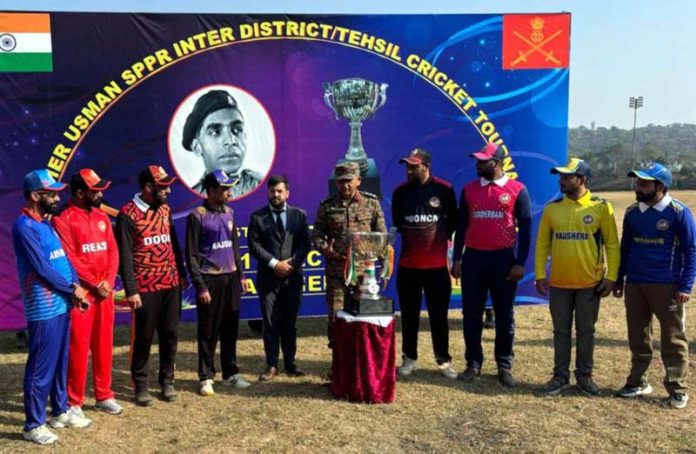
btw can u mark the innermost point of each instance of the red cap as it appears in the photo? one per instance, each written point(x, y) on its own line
point(94, 181)
point(488, 152)
point(156, 175)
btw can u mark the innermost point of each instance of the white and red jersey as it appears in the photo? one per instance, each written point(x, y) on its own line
point(88, 240)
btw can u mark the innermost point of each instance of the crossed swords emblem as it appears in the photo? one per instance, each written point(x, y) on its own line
point(536, 43)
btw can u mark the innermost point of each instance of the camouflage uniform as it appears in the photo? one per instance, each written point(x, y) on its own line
point(335, 219)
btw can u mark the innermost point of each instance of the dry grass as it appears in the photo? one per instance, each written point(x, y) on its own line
point(431, 414)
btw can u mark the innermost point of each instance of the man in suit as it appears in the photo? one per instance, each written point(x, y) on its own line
point(279, 239)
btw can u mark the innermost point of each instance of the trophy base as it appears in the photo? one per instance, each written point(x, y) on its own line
point(363, 306)
point(370, 178)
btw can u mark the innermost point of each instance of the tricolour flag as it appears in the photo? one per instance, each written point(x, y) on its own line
point(25, 42)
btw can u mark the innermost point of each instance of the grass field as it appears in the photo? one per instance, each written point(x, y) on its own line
point(430, 414)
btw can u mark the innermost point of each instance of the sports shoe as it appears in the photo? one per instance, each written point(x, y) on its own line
point(109, 406)
point(505, 378)
point(678, 400)
point(206, 388)
point(408, 366)
point(40, 435)
point(587, 386)
point(77, 411)
point(470, 374)
point(447, 371)
point(69, 419)
point(556, 385)
point(168, 392)
point(236, 381)
point(142, 397)
point(634, 391)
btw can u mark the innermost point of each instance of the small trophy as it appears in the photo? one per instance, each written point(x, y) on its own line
point(361, 273)
point(357, 100)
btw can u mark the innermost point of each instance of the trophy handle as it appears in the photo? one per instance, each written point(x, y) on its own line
point(382, 97)
point(328, 98)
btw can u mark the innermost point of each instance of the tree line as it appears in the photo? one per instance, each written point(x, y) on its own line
point(611, 154)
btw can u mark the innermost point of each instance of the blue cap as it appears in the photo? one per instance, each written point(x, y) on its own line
point(218, 178)
point(41, 180)
point(575, 166)
point(653, 172)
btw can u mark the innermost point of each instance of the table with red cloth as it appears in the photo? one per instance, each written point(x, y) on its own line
point(364, 359)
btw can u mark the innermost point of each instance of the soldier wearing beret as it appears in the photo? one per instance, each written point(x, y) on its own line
point(350, 210)
point(215, 131)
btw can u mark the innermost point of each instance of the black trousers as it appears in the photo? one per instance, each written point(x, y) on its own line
point(279, 307)
point(219, 320)
point(160, 311)
point(484, 272)
point(435, 283)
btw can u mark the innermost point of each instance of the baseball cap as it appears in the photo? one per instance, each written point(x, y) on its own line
point(655, 172)
point(218, 178)
point(41, 180)
point(210, 102)
point(88, 179)
point(347, 170)
point(417, 156)
point(488, 152)
point(156, 175)
point(575, 166)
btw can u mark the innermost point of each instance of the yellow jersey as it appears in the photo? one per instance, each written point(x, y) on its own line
point(580, 238)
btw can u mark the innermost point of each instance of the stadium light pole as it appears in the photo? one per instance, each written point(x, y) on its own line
point(634, 103)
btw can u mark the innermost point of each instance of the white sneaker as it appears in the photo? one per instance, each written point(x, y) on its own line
point(206, 388)
point(69, 419)
point(237, 381)
point(109, 406)
point(447, 371)
point(77, 411)
point(40, 435)
point(407, 366)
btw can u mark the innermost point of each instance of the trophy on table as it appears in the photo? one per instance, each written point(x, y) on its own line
point(365, 248)
point(356, 100)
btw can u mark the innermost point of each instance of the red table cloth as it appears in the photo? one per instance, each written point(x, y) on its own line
point(364, 362)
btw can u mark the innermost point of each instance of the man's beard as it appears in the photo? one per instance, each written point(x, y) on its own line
point(646, 197)
point(487, 174)
point(95, 202)
point(49, 208)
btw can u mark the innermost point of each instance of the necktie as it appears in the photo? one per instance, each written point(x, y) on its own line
point(279, 222)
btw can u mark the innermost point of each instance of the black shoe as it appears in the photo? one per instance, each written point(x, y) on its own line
point(556, 385)
point(629, 391)
point(587, 386)
point(168, 393)
point(505, 378)
point(294, 371)
point(142, 397)
point(470, 374)
point(22, 340)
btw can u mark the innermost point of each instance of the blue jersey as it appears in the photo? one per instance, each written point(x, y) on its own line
point(45, 274)
point(658, 244)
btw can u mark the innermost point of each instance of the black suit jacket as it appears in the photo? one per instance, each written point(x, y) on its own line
point(265, 243)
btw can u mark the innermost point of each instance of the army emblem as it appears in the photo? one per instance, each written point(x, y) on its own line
point(102, 226)
point(434, 202)
point(662, 225)
point(587, 219)
point(504, 198)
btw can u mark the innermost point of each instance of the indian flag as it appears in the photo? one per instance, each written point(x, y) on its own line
point(25, 42)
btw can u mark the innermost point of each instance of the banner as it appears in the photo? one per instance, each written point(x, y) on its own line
point(114, 92)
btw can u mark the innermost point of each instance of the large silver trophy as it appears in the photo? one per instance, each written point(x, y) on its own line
point(361, 273)
point(357, 100)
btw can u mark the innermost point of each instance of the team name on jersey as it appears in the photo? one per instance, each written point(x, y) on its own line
point(157, 239)
point(56, 254)
point(422, 218)
point(488, 214)
point(654, 241)
point(222, 244)
point(571, 235)
point(88, 248)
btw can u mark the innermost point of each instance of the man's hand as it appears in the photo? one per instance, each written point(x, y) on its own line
point(204, 297)
point(134, 301)
point(542, 286)
point(79, 293)
point(618, 291)
point(456, 269)
point(330, 253)
point(516, 273)
point(103, 288)
point(246, 285)
point(283, 268)
point(605, 287)
point(681, 298)
point(80, 304)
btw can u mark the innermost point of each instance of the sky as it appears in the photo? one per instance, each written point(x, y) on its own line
point(619, 48)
